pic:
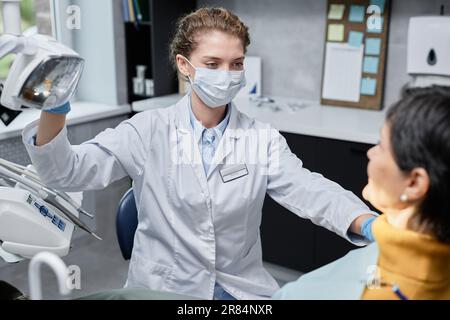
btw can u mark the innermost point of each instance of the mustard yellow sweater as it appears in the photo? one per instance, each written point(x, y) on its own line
point(417, 263)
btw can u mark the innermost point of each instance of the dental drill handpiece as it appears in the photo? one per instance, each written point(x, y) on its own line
point(31, 175)
point(46, 195)
point(51, 198)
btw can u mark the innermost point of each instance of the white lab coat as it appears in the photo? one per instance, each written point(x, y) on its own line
point(195, 230)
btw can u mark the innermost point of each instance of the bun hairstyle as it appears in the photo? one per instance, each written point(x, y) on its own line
point(201, 21)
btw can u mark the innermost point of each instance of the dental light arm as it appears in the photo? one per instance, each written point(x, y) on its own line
point(45, 73)
point(14, 44)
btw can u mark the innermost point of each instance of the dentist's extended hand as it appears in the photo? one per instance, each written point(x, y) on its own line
point(366, 229)
point(362, 225)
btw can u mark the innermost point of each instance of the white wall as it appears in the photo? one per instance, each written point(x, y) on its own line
point(95, 43)
point(289, 35)
point(99, 42)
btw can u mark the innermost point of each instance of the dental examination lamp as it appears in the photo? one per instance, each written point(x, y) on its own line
point(429, 50)
point(44, 74)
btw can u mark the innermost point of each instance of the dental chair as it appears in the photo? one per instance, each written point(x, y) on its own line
point(126, 223)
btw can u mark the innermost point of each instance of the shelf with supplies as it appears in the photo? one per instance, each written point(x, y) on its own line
point(149, 28)
point(137, 24)
point(136, 11)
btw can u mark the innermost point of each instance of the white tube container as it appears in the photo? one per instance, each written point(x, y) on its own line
point(138, 86)
point(149, 88)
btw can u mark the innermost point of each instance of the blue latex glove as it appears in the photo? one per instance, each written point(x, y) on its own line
point(64, 109)
point(366, 229)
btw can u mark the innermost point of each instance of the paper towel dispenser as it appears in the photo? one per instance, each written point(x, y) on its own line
point(429, 46)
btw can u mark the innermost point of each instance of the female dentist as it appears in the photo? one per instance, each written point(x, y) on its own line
point(200, 172)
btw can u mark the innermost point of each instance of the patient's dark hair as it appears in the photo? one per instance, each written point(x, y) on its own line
point(420, 137)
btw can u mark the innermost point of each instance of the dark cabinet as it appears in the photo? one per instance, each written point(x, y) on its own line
point(147, 44)
point(297, 243)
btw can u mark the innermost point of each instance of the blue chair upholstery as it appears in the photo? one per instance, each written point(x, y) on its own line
point(126, 223)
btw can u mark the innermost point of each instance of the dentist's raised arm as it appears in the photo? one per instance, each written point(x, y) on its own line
point(110, 156)
point(51, 123)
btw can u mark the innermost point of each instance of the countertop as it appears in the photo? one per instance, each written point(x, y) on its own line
point(293, 115)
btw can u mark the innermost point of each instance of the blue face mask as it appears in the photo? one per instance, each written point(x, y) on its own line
point(217, 88)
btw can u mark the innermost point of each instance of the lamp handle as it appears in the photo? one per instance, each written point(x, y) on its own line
point(8, 44)
point(17, 44)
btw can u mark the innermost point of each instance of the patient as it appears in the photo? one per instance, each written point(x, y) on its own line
point(409, 181)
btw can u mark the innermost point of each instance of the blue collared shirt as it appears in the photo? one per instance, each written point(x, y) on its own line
point(208, 139)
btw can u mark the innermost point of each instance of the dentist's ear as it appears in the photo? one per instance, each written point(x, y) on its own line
point(183, 66)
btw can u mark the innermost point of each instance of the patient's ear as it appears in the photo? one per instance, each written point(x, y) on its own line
point(419, 184)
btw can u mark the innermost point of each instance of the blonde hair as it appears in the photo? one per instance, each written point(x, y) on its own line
point(204, 20)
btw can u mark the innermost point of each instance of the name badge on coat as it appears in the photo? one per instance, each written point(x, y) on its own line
point(233, 172)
